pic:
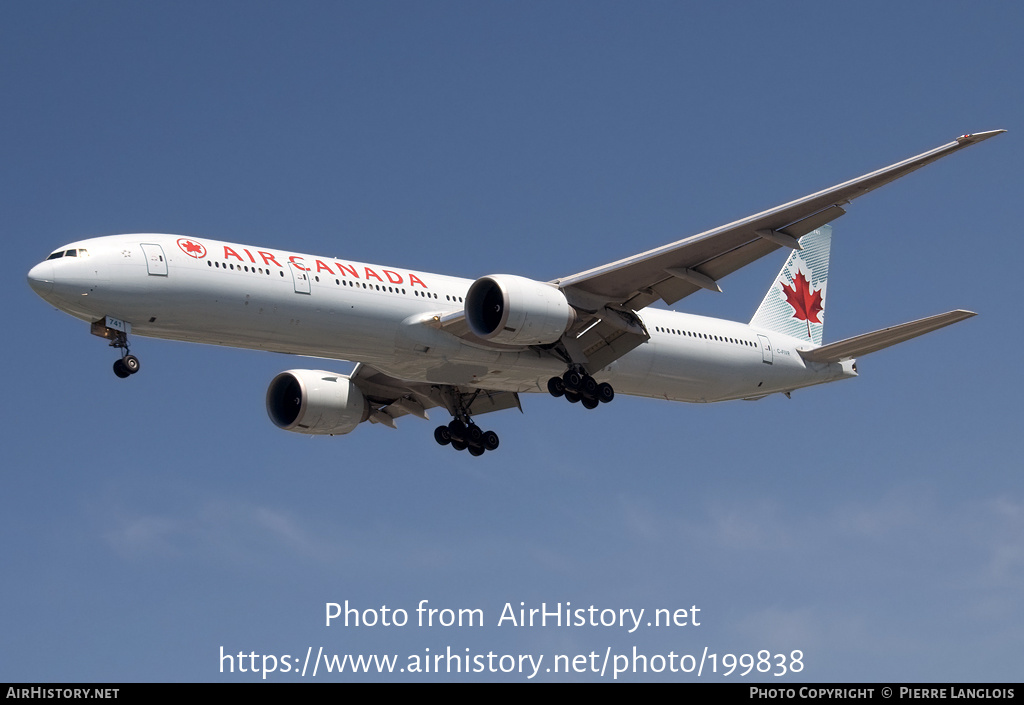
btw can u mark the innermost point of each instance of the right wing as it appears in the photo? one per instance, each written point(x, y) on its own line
point(677, 270)
point(608, 297)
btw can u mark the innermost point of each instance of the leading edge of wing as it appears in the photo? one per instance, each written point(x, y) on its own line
point(701, 259)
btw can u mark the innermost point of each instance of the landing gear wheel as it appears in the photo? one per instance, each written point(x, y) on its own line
point(120, 370)
point(457, 430)
point(572, 380)
point(131, 363)
point(442, 435)
point(556, 387)
point(461, 433)
point(577, 386)
point(462, 436)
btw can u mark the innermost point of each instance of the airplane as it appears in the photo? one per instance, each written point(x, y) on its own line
point(422, 340)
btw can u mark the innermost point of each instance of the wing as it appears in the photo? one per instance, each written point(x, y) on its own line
point(607, 298)
point(677, 270)
point(390, 397)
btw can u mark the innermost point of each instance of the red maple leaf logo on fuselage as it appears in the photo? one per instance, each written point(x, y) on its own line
point(806, 304)
point(191, 248)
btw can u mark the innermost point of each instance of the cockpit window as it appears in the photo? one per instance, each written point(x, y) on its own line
point(69, 253)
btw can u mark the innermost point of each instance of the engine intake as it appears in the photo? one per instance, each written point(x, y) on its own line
point(517, 311)
point(316, 402)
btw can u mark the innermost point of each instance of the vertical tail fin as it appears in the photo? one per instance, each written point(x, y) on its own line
point(795, 303)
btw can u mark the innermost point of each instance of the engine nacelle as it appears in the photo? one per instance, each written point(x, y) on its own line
point(517, 311)
point(316, 402)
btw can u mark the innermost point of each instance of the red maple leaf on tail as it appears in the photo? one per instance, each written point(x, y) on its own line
point(806, 304)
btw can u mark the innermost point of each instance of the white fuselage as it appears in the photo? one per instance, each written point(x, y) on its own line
point(205, 291)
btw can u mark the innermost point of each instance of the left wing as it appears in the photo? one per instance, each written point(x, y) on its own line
point(390, 397)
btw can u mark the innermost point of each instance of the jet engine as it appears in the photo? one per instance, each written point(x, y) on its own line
point(316, 402)
point(517, 311)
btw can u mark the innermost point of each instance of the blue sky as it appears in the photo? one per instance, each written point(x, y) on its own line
point(877, 525)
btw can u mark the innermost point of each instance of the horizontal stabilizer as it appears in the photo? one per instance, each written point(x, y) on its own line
point(880, 339)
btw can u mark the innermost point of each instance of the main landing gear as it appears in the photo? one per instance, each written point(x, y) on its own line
point(462, 433)
point(577, 386)
point(464, 436)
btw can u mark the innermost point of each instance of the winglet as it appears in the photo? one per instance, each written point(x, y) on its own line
point(978, 136)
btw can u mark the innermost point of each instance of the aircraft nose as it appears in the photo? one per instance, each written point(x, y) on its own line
point(40, 278)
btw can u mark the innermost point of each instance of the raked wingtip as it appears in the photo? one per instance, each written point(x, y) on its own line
point(978, 136)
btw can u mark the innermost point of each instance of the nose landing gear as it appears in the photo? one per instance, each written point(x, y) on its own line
point(117, 333)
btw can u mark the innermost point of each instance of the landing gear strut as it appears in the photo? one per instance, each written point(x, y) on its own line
point(128, 364)
point(577, 386)
point(116, 331)
point(462, 434)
